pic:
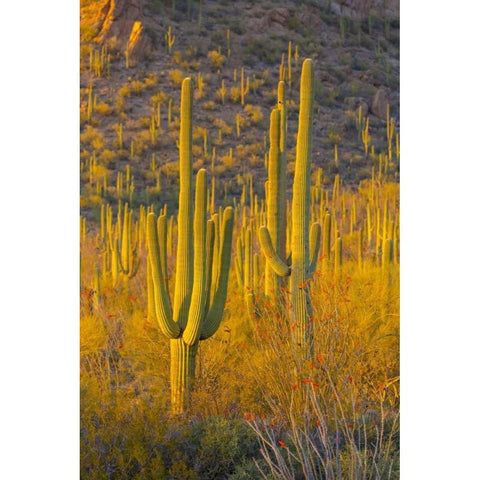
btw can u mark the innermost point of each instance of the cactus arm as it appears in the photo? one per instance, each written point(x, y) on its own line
point(198, 299)
point(216, 252)
point(338, 253)
point(135, 263)
point(277, 264)
point(256, 272)
point(115, 259)
point(238, 271)
point(282, 179)
point(150, 294)
point(326, 246)
point(239, 262)
point(162, 306)
point(209, 259)
point(214, 315)
point(184, 264)
point(248, 265)
point(125, 252)
point(314, 244)
point(162, 239)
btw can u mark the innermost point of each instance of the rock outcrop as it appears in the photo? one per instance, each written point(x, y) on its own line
point(362, 8)
point(378, 105)
point(122, 25)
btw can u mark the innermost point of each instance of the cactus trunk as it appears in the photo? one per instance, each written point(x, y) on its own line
point(182, 373)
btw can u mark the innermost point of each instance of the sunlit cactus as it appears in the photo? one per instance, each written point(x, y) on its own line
point(200, 294)
point(302, 264)
point(327, 228)
point(246, 272)
point(275, 203)
point(338, 254)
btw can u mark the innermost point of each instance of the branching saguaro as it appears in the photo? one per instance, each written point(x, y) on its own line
point(305, 244)
point(201, 277)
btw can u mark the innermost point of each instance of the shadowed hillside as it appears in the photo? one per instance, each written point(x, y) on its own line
point(130, 81)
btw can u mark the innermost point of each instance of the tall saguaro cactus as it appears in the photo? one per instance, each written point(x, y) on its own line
point(196, 312)
point(275, 201)
point(305, 245)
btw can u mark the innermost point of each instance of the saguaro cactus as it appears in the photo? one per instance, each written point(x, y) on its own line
point(196, 312)
point(304, 246)
point(276, 201)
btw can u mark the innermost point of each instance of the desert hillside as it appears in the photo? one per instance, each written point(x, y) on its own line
point(130, 88)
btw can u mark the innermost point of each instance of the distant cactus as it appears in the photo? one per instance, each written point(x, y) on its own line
point(121, 245)
point(200, 294)
point(169, 39)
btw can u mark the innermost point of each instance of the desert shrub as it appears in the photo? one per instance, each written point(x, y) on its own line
point(256, 50)
point(345, 58)
point(93, 137)
point(151, 80)
point(107, 156)
point(235, 94)
point(333, 136)
point(90, 201)
point(255, 161)
point(256, 83)
point(224, 443)
point(177, 56)
point(124, 90)
point(237, 27)
point(216, 59)
point(137, 87)
point(222, 125)
point(209, 105)
point(176, 76)
point(227, 161)
point(197, 151)
point(103, 109)
point(254, 113)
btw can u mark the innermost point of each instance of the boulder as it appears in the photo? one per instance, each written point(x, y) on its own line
point(279, 15)
point(378, 105)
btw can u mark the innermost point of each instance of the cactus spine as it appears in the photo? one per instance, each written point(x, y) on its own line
point(302, 264)
point(193, 317)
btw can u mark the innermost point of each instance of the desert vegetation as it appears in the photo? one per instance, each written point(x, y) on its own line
point(239, 240)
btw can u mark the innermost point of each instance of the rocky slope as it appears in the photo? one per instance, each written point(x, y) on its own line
point(356, 55)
